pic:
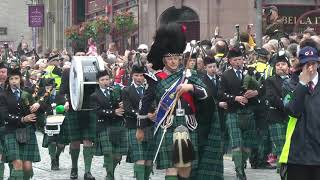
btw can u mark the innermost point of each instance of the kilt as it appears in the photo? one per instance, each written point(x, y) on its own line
point(164, 158)
point(78, 126)
point(104, 145)
point(51, 139)
point(139, 150)
point(277, 133)
point(17, 151)
point(241, 137)
point(211, 155)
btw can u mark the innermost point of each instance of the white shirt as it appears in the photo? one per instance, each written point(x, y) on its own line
point(104, 91)
point(235, 71)
point(314, 80)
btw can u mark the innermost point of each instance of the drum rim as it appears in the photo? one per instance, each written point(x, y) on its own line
point(79, 71)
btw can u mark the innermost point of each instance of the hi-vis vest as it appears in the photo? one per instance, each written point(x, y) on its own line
point(286, 148)
point(268, 71)
point(49, 74)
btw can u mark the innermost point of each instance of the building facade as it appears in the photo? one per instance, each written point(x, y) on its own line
point(201, 17)
point(57, 18)
point(14, 23)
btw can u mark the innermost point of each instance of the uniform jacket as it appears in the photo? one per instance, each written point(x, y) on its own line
point(155, 91)
point(131, 100)
point(230, 87)
point(104, 108)
point(12, 111)
point(274, 99)
point(305, 140)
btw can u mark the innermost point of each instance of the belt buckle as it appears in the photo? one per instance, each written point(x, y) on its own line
point(180, 112)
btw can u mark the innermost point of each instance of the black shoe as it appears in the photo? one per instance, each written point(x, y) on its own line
point(241, 175)
point(54, 165)
point(74, 173)
point(88, 176)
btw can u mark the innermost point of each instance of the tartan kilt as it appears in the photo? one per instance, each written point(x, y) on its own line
point(105, 146)
point(211, 158)
point(164, 158)
point(242, 137)
point(277, 133)
point(25, 152)
point(78, 126)
point(51, 139)
point(139, 150)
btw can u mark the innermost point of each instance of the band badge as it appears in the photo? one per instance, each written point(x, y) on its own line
point(180, 112)
point(172, 95)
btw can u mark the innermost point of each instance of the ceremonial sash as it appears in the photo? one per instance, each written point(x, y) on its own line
point(166, 103)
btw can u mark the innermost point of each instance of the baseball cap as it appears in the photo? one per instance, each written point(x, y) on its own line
point(308, 54)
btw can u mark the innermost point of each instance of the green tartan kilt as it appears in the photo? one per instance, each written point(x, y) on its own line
point(277, 133)
point(139, 150)
point(242, 137)
point(105, 146)
point(78, 126)
point(17, 151)
point(51, 139)
point(164, 158)
point(211, 156)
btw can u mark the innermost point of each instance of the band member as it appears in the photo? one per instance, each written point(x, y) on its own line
point(3, 77)
point(111, 133)
point(277, 117)
point(78, 126)
point(18, 111)
point(240, 119)
point(174, 91)
point(139, 153)
point(54, 143)
point(209, 130)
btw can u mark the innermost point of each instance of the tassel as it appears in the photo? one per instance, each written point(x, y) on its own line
point(183, 152)
point(187, 151)
point(175, 152)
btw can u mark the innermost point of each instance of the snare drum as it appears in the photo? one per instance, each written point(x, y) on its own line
point(53, 124)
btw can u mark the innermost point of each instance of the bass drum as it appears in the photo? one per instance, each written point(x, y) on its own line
point(83, 82)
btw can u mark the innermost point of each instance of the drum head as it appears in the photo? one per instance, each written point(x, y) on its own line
point(82, 72)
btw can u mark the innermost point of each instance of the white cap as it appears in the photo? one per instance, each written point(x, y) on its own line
point(111, 58)
point(143, 46)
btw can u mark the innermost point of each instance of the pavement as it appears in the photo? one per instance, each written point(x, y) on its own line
point(124, 171)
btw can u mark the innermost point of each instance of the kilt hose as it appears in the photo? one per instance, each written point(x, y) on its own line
point(105, 146)
point(78, 126)
point(139, 150)
point(164, 158)
point(210, 151)
point(277, 133)
point(242, 137)
point(17, 151)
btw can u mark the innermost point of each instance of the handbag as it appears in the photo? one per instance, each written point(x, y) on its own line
point(22, 135)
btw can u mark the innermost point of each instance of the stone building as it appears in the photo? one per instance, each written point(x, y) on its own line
point(14, 23)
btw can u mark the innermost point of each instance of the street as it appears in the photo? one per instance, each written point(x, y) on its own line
point(124, 171)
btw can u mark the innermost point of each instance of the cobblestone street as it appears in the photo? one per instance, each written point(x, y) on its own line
point(124, 171)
